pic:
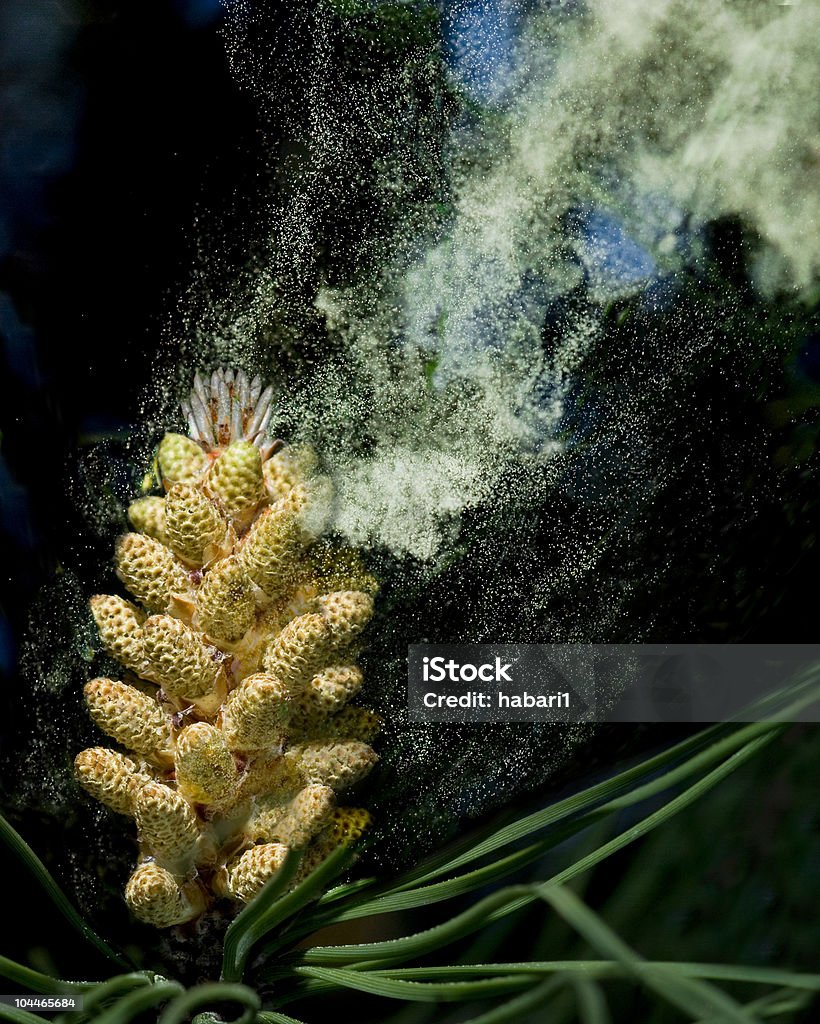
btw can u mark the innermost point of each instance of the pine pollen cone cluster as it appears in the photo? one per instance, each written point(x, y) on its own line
point(238, 652)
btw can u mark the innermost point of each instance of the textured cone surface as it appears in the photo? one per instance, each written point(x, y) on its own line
point(225, 605)
point(193, 524)
point(256, 713)
point(274, 619)
point(271, 775)
point(294, 822)
point(347, 611)
point(128, 716)
point(323, 696)
point(177, 658)
point(109, 777)
point(181, 460)
point(166, 823)
point(293, 465)
point(346, 825)
point(272, 547)
point(300, 649)
point(244, 877)
point(236, 481)
point(205, 769)
point(227, 766)
point(155, 897)
point(150, 571)
point(147, 515)
point(119, 624)
point(310, 641)
point(339, 764)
